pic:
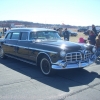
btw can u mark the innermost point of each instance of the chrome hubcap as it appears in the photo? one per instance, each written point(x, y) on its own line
point(45, 66)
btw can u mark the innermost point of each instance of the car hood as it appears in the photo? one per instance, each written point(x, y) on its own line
point(65, 45)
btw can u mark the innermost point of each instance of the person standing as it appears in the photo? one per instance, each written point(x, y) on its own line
point(66, 34)
point(94, 29)
point(92, 37)
point(5, 30)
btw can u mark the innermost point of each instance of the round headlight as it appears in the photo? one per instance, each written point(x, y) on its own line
point(62, 53)
point(94, 50)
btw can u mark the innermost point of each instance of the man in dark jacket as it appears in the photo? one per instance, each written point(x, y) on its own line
point(94, 29)
point(66, 34)
point(92, 37)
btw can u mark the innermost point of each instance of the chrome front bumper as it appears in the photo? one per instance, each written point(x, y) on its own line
point(80, 64)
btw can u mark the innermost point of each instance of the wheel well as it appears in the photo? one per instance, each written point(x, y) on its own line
point(40, 56)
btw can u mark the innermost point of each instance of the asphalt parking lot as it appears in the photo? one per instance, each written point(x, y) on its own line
point(22, 81)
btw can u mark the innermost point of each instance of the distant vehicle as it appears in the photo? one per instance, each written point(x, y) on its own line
point(87, 32)
point(97, 28)
point(82, 29)
point(73, 33)
point(98, 31)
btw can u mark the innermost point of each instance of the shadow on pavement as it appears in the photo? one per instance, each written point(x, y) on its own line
point(62, 80)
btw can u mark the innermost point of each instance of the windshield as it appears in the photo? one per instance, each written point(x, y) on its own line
point(45, 35)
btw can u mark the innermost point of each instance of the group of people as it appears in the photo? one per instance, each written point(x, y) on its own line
point(93, 38)
point(92, 35)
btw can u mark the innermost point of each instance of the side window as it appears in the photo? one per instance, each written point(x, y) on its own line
point(33, 35)
point(15, 35)
point(24, 36)
point(8, 36)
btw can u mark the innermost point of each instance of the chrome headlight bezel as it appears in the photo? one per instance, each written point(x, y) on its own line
point(62, 53)
point(94, 50)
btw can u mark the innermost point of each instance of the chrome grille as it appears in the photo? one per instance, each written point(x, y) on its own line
point(78, 56)
point(87, 55)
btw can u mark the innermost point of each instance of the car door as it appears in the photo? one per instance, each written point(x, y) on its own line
point(23, 45)
point(6, 45)
point(13, 43)
point(10, 43)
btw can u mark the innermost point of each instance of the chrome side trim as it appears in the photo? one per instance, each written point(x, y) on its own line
point(23, 47)
point(10, 44)
point(31, 48)
point(43, 50)
point(21, 59)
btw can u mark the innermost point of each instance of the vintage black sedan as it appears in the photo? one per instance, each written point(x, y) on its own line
point(45, 49)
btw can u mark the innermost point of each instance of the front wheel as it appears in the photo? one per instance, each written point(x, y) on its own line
point(2, 53)
point(45, 66)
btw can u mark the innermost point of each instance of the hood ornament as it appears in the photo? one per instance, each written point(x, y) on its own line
point(82, 49)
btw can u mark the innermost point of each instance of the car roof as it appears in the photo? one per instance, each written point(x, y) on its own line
point(31, 29)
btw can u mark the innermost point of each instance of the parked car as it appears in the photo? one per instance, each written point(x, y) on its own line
point(98, 31)
point(82, 29)
point(73, 33)
point(87, 32)
point(45, 49)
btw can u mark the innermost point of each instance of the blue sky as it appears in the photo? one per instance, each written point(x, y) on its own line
point(72, 12)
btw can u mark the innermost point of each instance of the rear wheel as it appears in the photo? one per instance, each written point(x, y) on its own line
point(45, 66)
point(2, 53)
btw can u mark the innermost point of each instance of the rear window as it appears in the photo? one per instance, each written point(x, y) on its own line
point(15, 36)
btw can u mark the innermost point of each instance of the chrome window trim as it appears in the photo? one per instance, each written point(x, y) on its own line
point(12, 39)
point(17, 31)
point(23, 40)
